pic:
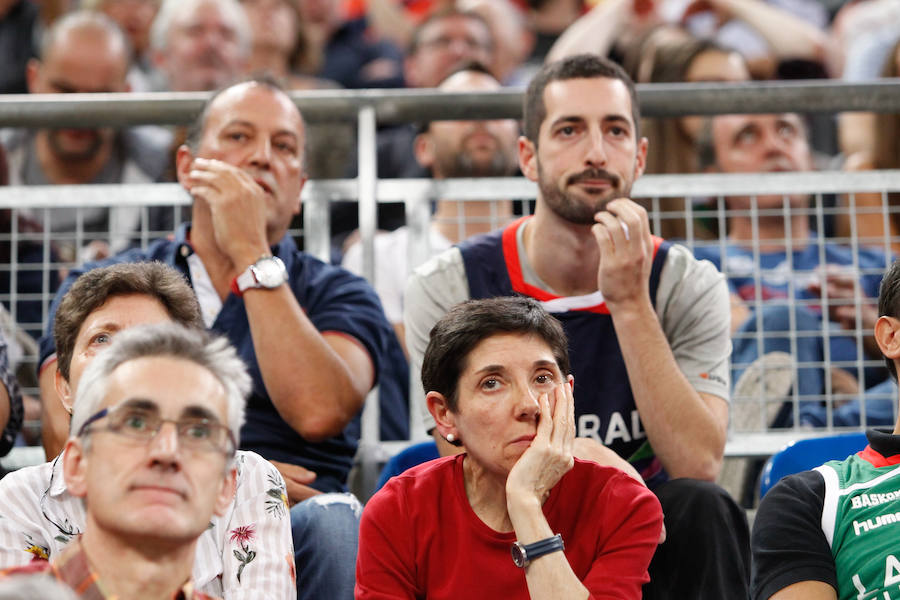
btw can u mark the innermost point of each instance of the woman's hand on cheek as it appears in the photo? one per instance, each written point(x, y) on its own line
point(549, 457)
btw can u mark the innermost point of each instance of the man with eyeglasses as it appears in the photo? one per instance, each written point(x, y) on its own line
point(40, 516)
point(149, 488)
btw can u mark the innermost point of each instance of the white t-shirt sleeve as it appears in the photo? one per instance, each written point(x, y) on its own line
point(431, 291)
point(390, 270)
point(693, 307)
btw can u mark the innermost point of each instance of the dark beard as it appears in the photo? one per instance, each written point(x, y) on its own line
point(577, 210)
point(83, 155)
point(462, 165)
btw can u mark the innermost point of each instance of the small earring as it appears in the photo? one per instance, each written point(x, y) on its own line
point(451, 438)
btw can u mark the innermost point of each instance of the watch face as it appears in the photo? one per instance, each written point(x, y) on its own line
point(518, 554)
point(270, 272)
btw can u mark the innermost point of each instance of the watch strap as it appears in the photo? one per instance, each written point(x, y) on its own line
point(540, 548)
point(247, 279)
point(243, 282)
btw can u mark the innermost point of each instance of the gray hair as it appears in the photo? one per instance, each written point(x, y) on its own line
point(172, 11)
point(85, 19)
point(214, 354)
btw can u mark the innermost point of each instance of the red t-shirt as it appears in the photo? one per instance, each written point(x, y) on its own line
point(420, 538)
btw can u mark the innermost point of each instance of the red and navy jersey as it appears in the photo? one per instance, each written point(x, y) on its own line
point(604, 405)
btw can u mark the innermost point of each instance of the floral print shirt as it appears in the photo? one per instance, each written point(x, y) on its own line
point(247, 553)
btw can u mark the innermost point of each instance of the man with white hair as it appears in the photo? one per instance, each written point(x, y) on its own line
point(150, 489)
point(200, 45)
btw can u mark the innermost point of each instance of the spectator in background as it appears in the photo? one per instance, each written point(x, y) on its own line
point(84, 52)
point(279, 48)
point(279, 43)
point(339, 49)
point(12, 410)
point(790, 285)
point(513, 39)
point(19, 32)
point(149, 490)
point(441, 43)
point(866, 217)
point(549, 19)
point(135, 18)
point(196, 46)
point(863, 38)
point(668, 55)
point(199, 45)
point(446, 149)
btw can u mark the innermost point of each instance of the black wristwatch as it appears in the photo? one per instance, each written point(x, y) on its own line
point(523, 554)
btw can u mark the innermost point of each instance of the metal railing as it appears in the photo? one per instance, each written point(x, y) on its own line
point(371, 108)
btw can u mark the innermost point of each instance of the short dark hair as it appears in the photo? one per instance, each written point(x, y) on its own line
point(889, 303)
point(93, 288)
point(445, 13)
point(469, 323)
point(580, 66)
point(198, 126)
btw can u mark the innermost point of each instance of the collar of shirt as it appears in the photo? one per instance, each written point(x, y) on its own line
point(285, 249)
point(57, 485)
point(207, 296)
point(884, 442)
point(73, 568)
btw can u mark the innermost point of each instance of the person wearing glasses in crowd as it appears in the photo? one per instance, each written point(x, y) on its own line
point(150, 489)
point(245, 554)
point(518, 514)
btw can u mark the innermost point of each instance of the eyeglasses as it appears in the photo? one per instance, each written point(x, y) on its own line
point(140, 423)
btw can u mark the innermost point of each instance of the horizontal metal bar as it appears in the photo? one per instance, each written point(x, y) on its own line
point(399, 190)
point(411, 105)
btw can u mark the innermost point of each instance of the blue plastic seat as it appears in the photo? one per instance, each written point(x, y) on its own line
point(803, 455)
point(405, 459)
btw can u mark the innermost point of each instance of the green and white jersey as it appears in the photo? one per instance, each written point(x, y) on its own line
point(861, 521)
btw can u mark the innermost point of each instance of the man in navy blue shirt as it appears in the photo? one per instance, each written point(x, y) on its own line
point(313, 336)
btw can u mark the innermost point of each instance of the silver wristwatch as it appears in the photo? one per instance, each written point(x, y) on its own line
point(268, 272)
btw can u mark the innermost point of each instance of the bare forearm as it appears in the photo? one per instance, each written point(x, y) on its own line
point(549, 576)
point(788, 35)
point(687, 434)
point(311, 386)
point(594, 32)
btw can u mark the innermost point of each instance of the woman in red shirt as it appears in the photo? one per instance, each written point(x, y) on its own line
point(516, 515)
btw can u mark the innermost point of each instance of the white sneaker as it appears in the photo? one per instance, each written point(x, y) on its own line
point(761, 391)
